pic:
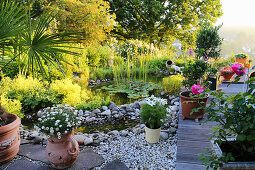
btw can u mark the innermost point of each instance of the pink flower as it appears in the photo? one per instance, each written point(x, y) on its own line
point(238, 69)
point(197, 89)
point(191, 52)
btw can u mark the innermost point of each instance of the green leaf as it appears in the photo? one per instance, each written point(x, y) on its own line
point(241, 137)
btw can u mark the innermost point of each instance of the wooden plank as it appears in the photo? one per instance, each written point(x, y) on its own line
point(188, 150)
point(189, 166)
point(188, 158)
point(192, 144)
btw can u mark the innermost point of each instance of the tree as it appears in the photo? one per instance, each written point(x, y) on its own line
point(158, 20)
point(89, 17)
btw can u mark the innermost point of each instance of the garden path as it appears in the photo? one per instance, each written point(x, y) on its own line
point(194, 137)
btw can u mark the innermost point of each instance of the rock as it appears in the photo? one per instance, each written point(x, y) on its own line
point(98, 81)
point(124, 133)
point(80, 139)
point(81, 113)
point(162, 93)
point(131, 113)
point(104, 108)
point(136, 105)
point(176, 103)
point(114, 133)
point(175, 100)
point(116, 165)
point(115, 112)
point(106, 113)
point(164, 135)
point(133, 118)
point(33, 134)
point(87, 112)
point(87, 141)
point(123, 111)
point(37, 140)
point(112, 105)
point(95, 142)
point(172, 130)
point(137, 111)
point(129, 109)
point(137, 130)
point(116, 116)
point(116, 108)
point(92, 119)
point(96, 111)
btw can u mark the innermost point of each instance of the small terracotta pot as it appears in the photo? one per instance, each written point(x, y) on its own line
point(152, 135)
point(228, 77)
point(9, 139)
point(187, 107)
point(241, 60)
point(63, 152)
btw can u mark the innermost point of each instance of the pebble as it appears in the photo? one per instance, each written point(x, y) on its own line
point(87, 141)
point(96, 111)
point(104, 108)
point(164, 135)
point(106, 113)
point(80, 139)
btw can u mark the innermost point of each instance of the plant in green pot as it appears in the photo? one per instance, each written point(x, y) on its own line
point(241, 58)
point(153, 114)
point(233, 140)
point(58, 123)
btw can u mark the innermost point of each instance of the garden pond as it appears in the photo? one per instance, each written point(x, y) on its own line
point(123, 94)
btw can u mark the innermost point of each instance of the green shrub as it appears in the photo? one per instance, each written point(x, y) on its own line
point(96, 102)
point(11, 70)
point(173, 84)
point(241, 56)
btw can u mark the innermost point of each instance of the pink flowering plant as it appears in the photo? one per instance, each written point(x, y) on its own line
point(235, 118)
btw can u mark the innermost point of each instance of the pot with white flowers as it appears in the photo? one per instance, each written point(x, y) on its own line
point(58, 123)
point(153, 114)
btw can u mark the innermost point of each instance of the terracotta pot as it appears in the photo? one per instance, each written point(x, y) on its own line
point(63, 152)
point(9, 139)
point(241, 60)
point(187, 107)
point(228, 77)
point(152, 135)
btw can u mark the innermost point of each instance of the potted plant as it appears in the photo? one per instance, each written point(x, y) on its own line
point(214, 78)
point(234, 135)
point(194, 99)
point(58, 123)
point(153, 114)
point(241, 58)
point(9, 136)
point(227, 73)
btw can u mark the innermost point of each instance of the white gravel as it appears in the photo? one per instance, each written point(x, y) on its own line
point(136, 153)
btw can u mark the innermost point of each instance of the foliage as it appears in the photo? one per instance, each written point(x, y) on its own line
point(173, 84)
point(89, 17)
point(11, 70)
point(101, 73)
point(208, 42)
point(58, 121)
point(98, 56)
point(194, 72)
point(157, 64)
point(241, 56)
point(235, 117)
point(154, 112)
point(94, 102)
point(160, 20)
point(137, 89)
point(11, 105)
point(72, 93)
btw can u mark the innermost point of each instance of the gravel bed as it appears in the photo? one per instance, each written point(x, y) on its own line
point(136, 153)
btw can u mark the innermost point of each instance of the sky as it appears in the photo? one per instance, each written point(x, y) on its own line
point(237, 13)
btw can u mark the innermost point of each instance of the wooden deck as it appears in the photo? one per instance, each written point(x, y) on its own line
point(193, 137)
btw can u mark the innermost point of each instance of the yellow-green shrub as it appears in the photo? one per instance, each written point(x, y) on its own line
point(72, 93)
point(11, 105)
point(173, 84)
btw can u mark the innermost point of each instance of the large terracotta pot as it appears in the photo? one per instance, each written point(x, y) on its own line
point(228, 77)
point(152, 135)
point(63, 152)
point(241, 60)
point(9, 138)
point(187, 107)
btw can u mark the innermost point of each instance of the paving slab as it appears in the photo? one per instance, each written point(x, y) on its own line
point(86, 159)
point(116, 165)
point(23, 164)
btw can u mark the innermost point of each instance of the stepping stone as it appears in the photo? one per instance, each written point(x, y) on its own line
point(34, 152)
point(23, 164)
point(86, 159)
point(24, 141)
point(116, 165)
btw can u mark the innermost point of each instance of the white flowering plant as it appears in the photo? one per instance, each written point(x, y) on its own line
point(155, 111)
point(58, 121)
